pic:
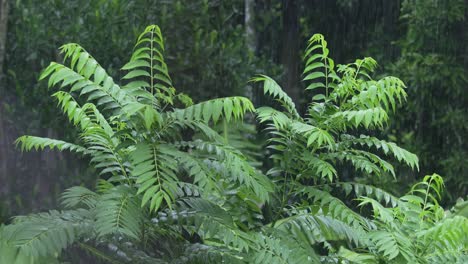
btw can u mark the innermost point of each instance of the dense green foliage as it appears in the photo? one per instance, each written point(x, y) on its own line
point(173, 187)
point(433, 62)
point(208, 56)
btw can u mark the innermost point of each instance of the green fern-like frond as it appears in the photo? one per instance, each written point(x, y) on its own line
point(335, 208)
point(215, 224)
point(430, 185)
point(361, 162)
point(28, 143)
point(118, 212)
point(156, 179)
point(201, 173)
point(376, 117)
point(381, 213)
point(237, 167)
point(360, 189)
point(86, 115)
point(322, 168)
point(86, 77)
point(447, 238)
point(385, 93)
point(76, 196)
point(313, 229)
point(279, 119)
point(281, 250)
point(46, 234)
point(315, 136)
point(147, 67)
point(389, 148)
point(357, 258)
point(105, 157)
point(13, 255)
point(270, 87)
point(228, 108)
point(416, 230)
point(318, 65)
point(394, 246)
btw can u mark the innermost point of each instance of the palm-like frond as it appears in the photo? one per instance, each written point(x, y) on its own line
point(154, 174)
point(389, 148)
point(313, 229)
point(335, 208)
point(14, 255)
point(100, 89)
point(360, 189)
point(446, 239)
point(147, 68)
point(28, 143)
point(228, 108)
point(118, 212)
point(76, 196)
point(282, 250)
point(235, 166)
point(45, 234)
point(86, 115)
point(394, 246)
point(319, 66)
point(270, 87)
point(279, 119)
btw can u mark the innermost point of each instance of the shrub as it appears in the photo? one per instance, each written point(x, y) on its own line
point(171, 189)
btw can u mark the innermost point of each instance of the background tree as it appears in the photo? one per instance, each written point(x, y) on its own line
point(434, 63)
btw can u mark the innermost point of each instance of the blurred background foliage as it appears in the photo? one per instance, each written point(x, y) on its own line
point(213, 48)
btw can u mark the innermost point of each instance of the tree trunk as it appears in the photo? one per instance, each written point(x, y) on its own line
point(250, 37)
point(290, 49)
point(4, 9)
